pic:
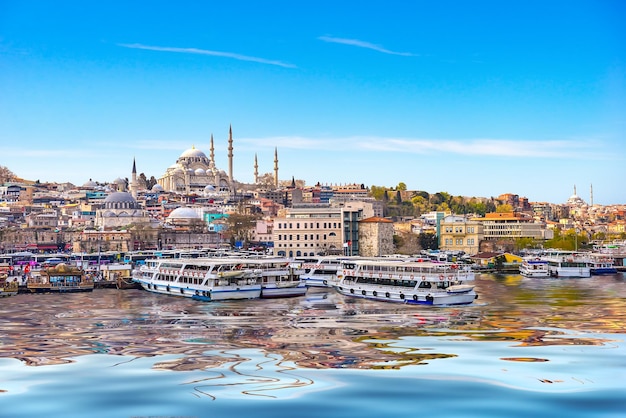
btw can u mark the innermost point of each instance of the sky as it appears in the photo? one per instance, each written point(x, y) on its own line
point(473, 98)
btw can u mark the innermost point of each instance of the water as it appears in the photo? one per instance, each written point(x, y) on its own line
point(528, 347)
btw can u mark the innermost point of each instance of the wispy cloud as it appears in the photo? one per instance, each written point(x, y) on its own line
point(363, 44)
point(208, 52)
point(559, 149)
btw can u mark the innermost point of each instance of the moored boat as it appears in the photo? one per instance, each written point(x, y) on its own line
point(206, 279)
point(280, 277)
point(568, 264)
point(8, 288)
point(423, 283)
point(60, 278)
point(602, 264)
point(320, 271)
point(534, 267)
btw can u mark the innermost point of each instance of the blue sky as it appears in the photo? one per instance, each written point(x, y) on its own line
point(473, 98)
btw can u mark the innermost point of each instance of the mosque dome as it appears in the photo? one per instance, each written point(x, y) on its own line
point(90, 184)
point(157, 188)
point(120, 181)
point(192, 152)
point(120, 200)
point(183, 213)
point(199, 172)
point(209, 188)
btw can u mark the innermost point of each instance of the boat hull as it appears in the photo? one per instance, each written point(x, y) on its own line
point(273, 292)
point(459, 297)
point(202, 292)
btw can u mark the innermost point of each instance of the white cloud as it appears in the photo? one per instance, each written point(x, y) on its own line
point(363, 44)
point(208, 52)
point(577, 149)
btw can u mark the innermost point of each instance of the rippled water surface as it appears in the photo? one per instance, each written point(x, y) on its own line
point(539, 347)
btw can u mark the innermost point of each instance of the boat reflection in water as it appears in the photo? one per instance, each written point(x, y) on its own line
point(516, 335)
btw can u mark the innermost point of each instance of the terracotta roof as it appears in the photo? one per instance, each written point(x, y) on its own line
point(377, 219)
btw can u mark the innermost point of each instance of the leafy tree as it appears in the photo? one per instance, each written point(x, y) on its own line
point(6, 175)
point(525, 242)
point(143, 181)
point(240, 226)
point(504, 208)
point(428, 241)
point(401, 186)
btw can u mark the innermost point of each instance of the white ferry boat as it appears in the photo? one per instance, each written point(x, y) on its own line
point(279, 277)
point(411, 282)
point(206, 279)
point(602, 264)
point(320, 271)
point(534, 267)
point(568, 264)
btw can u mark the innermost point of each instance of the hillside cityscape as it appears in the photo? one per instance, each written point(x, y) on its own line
point(195, 205)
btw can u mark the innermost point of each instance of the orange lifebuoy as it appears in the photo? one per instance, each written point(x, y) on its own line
point(442, 277)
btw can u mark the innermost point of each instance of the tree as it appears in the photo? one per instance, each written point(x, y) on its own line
point(401, 186)
point(143, 181)
point(6, 175)
point(504, 208)
point(428, 241)
point(240, 226)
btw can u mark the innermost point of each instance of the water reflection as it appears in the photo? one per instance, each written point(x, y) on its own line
point(321, 330)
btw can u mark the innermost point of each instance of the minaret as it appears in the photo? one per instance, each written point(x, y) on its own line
point(133, 181)
point(591, 195)
point(256, 170)
point(212, 154)
point(276, 168)
point(230, 158)
point(575, 191)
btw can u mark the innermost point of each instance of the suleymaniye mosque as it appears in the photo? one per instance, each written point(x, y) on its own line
point(195, 173)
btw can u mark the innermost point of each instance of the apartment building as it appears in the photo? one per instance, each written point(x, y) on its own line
point(307, 230)
point(460, 233)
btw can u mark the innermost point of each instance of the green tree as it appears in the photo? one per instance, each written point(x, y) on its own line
point(428, 241)
point(504, 208)
point(401, 186)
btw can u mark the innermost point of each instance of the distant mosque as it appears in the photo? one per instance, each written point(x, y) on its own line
point(194, 173)
point(575, 200)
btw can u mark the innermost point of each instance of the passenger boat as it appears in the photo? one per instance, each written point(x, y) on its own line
point(568, 264)
point(117, 275)
point(7, 288)
point(320, 271)
point(206, 279)
point(602, 264)
point(534, 267)
point(411, 282)
point(60, 278)
point(280, 277)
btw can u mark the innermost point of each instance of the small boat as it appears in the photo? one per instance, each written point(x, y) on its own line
point(534, 267)
point(410, 282)
point(60, 278)
point(8, 288)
